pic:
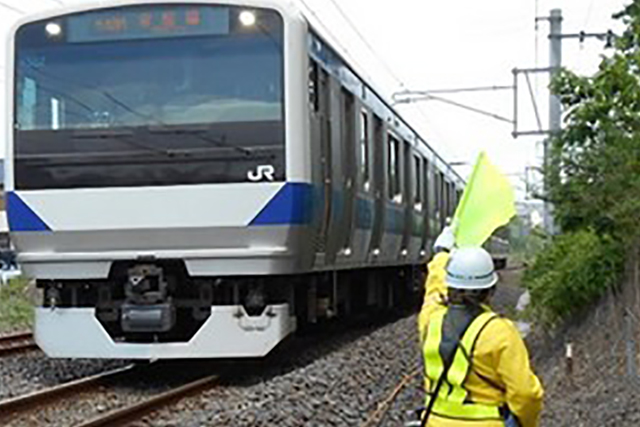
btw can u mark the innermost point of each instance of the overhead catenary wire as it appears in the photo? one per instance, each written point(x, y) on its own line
point(457, 90)
point(367, 44)
point(428, 96)
point(377, 56)
point(328, 33)
point(349, 22)
point(11, 8)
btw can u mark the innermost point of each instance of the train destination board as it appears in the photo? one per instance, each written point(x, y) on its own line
point(147, 23)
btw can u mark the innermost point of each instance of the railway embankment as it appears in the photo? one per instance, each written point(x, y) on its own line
point(589, 368)
point(589, 364)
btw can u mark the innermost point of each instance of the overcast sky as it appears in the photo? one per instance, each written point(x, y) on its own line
point(437, 44)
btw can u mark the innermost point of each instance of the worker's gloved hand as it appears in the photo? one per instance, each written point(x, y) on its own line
point(446, 240)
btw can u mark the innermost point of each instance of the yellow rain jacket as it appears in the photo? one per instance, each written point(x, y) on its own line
point(500, 372)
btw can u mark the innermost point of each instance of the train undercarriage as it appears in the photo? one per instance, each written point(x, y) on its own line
point(155, 310)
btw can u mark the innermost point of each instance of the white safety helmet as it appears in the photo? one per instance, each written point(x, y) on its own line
point(471, 269)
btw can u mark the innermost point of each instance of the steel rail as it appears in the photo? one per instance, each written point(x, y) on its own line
point(13, 407)
point(136, 411)
point(15, 343)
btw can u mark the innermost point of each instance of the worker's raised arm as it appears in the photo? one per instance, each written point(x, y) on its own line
point(435, 292)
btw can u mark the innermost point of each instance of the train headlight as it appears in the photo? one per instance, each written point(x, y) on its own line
point(247, 18)
point(53, 29)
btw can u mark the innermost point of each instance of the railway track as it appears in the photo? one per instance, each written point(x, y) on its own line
point(136, 411)
point(16, 343)
point(15, 409)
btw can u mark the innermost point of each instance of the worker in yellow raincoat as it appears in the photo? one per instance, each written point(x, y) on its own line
point(477, 369)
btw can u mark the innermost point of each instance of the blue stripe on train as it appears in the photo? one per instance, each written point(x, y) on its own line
point(21, 217)
point(293, 204)
point(394, 219)
point(364, 213)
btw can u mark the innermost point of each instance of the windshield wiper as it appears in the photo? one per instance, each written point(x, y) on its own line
point(199, 131)
point(119, 134)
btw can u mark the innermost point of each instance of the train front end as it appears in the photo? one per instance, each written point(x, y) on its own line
point(152, 189)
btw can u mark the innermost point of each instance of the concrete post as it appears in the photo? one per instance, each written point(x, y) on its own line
point(555, 108)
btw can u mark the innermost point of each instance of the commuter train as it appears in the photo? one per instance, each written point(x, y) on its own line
point(199, 179)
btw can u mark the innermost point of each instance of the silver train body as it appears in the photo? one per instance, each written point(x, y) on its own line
point(198, 180)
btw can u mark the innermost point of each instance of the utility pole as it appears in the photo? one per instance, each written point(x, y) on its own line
point(555, 62)
point(555, 107)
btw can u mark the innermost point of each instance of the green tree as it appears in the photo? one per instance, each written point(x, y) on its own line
point(594, 180)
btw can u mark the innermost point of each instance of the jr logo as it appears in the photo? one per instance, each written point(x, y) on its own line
point(263, 172)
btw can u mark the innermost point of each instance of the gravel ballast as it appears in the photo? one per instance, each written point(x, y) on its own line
point(332, 382)
point(340, 382)
point(27, 372)
point(335, 377)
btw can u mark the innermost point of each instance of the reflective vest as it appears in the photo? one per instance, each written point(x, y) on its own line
point(453, 400)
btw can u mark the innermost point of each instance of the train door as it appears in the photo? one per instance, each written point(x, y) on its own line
point(418, 235)
point(454, 199)
point(365, 196)
point(326, 163)
point(379, 185)
point(316, 124)
point(336, 171)
point(442, 210)
point(426, 205)
point(447, 199)
point(408, 198)
point(434, 176)
point(348, 190)
point(394, 222)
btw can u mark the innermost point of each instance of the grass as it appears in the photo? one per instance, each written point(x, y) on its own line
point(16, 307)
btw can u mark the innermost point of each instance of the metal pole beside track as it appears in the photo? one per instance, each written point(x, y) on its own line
point(555, 107)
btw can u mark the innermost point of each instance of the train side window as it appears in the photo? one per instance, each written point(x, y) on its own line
point(426, 184)
point(417, 183)
point(349, 136)
point(452, 199)
point(407, 181)
point(393, 166)
point(443, 197)
point(364, 149)
point(438, 196)
point(314, 98)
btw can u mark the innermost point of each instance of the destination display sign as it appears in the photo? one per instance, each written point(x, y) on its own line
point(147, 23)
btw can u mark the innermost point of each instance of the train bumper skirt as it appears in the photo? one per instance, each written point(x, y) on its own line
point(76, 333)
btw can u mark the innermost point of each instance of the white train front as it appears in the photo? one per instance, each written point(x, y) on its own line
point(200, 179)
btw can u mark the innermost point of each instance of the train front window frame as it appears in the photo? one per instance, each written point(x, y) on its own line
point(76, 131)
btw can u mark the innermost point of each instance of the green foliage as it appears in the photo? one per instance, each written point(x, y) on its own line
point(593, 180)
point(526, 244)
point(572, 273)
point(594, 173)
point(16, 307)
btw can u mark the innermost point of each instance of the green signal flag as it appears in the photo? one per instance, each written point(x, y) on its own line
point(488, 202)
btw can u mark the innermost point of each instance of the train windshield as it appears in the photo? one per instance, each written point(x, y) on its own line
point(149, 95)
